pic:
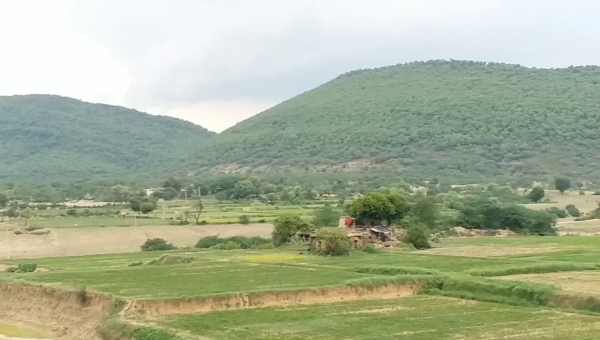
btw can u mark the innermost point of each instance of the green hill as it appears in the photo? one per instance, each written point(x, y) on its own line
point(49, 137)
point(457, 120)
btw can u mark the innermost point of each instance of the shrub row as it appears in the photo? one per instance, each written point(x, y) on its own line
point(234, 242)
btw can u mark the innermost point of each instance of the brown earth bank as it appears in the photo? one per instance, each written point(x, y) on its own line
point(267, 299)
point(109, 240)
point(74, 315)
point(80, 315)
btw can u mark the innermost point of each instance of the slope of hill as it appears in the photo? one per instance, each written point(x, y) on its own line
point(459, 120)
point(49, 137)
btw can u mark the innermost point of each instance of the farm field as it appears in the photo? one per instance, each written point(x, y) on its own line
point(466, 288)
point(166, 213)
point(108, 240)
point(414, 318)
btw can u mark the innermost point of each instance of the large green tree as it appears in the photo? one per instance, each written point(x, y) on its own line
point(562, 184)
point(286, 226)
point(377, 207)
point(537, 194)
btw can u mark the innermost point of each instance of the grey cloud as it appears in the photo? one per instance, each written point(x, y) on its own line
point(184, 52)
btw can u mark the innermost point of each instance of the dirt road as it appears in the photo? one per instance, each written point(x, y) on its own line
point(107, 240)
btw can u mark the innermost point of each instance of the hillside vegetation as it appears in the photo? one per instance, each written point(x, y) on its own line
point(49, 137)
point(456, 120)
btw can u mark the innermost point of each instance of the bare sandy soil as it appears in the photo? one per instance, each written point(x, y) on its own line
point(581, 228)
point(491, 251)
point(108, 240)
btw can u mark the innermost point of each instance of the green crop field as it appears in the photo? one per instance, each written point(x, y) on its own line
point(469, 289)
point(413, 318)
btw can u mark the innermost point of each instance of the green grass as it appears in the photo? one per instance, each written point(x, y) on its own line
point(415, 318)
point(458, 303)
point(204, 277)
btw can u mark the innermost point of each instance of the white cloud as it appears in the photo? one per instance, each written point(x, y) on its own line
point(217, 62)
point(41, 54)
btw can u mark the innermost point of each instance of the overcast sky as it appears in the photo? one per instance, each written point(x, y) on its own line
point(217, 62)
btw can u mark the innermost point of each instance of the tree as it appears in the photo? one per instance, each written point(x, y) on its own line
point(417, 234)
point(401, 207)
point(372, 208)
point(562, 184)
point(26, 214)
point(147, 207)
point(142, 204)
point(332, 241)
point(573, 211)
point(173, 183)
point(245, 189)
point(286, 226)
point(244, 219)
point(198, 207)
point(537, 194)
point(426, 211)
point(167, 194)
point(326, 217)
point(156, 244)
point(119, 193)
point(272, 198)
point(3, 200)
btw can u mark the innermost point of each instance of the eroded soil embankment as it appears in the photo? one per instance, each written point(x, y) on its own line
point(267, 299)
point(69, 314)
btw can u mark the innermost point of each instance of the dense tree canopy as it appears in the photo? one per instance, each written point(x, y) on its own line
point(457, 120)
point(50, 137)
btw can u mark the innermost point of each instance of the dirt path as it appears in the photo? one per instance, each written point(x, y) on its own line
point(92, 241)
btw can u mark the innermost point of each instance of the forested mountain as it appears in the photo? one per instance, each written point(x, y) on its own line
point(459, 120)
point(46, 137)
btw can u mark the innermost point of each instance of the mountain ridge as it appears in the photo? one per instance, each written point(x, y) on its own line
point(455, 119)
point(48, 137)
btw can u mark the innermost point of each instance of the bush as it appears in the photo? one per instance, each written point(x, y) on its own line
point(519, 219)
point(370, 249)
point(17, 232)
point(22, 268)
point(229, 245)
point(244, 219)
point(157, 244)
point(417, 234)
point(560, 213)
point(11, 213)
point(266, 246)
point(286, 226)
point(573, 211)
point(332, 241)
point(242, 241)
point(209, 242)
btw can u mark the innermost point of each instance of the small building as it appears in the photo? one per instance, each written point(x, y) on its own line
point(360, 236)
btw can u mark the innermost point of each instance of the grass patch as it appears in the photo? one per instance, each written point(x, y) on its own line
point(378, 270)
point(171, 260)
point(535, 268)
point(412, 318)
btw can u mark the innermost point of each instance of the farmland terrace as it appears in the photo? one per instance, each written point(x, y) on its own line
point(467, 288)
